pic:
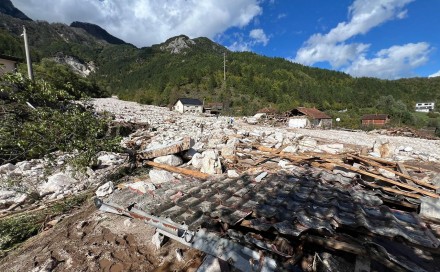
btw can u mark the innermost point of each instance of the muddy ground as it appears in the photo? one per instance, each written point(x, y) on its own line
point(90, 240)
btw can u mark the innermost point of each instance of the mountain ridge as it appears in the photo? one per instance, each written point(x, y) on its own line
point(8, 8)
point(98, 32)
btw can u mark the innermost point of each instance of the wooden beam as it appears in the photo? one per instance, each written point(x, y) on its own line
point(390, 181)
point(170, 149)
point(183, 171)
point(383, 161)
point(404, 175)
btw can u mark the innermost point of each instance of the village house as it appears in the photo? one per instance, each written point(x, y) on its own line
point(7, 64)
point(425, 107)
point(375, 119)
point(213, 108)
point(191, 105)
point(309, 117)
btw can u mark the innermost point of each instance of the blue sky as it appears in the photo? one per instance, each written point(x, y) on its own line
point(376, 38)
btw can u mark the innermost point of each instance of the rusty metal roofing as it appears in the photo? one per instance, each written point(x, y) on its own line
point(375, 117)
point(283, 202)
point(313, 113)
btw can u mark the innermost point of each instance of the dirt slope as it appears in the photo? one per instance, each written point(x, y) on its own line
point(91, 240)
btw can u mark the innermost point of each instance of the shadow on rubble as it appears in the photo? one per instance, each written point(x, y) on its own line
point(309, 223)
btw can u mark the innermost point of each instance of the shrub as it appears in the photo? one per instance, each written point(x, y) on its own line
point(37, 119)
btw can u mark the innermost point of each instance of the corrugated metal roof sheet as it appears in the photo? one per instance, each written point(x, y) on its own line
point(285, 203)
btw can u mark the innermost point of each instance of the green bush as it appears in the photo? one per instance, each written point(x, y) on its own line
point(37, 119)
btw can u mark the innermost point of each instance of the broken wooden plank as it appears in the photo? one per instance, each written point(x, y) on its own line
point(183, 171)
point(170, 149)
point(328, 166)
point(400, 174)
point(383, 161)
point(400, 184)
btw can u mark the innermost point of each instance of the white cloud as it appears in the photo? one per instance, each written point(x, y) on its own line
point(391, 63)
point(334, 47)
point(259, 36)
point(435, 74)
point(146, 22)
point(239, 46)
point(281, 16)
point(241, 43)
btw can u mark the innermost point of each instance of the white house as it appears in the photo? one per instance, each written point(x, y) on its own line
point(7, 64)
point(425, 107)
point(188, 105)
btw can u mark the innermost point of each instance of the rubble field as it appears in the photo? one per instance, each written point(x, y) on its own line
point(232, 194)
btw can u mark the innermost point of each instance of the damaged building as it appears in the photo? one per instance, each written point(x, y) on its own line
point(308, 118)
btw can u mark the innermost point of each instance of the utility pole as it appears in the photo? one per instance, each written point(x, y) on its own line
point(224, 66)
point(28, 55)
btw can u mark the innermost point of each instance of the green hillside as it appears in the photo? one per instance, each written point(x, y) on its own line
point(183, 67)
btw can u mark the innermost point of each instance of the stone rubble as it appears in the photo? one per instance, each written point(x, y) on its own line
point(215, 141)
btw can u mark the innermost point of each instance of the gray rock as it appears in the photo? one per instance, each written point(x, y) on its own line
point(24, 165)
point(290, 149)
point(233, 174)
point(5, 168)
point(142, 186)
point(105, 189)
point(111, 159)
point(197, 160)
point(383, 147)
point(8, 198)
point(172, 160)
point(56, 183)
point(230, 147)
point(160, 176)
point(211, 163)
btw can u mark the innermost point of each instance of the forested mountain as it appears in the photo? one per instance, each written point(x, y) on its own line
point(184, 67)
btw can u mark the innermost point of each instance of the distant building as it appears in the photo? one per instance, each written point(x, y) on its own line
point(213, 108)
point(188, 105)
point(309, 117)
point(7, 64)
point(425, 107)
point(375, 119)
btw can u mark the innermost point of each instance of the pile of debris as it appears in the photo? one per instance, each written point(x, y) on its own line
point(407, 132)
point(281, 207)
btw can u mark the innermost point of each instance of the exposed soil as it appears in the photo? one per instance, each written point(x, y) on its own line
point(91, 240)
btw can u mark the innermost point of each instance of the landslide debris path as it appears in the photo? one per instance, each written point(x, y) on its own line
point(185, 124)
